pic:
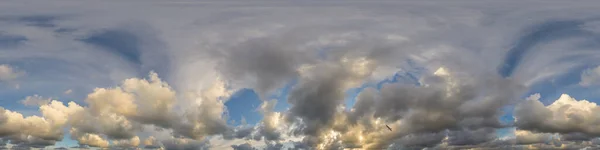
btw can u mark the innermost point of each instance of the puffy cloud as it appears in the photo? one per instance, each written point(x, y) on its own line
point(205, 115)
point(88, 139)
point(8, 73)
point(36, 131)
point(524, 137)
point(272, 124)
point(151, 143)
point(317, 98)
point(35, 100)
point(445, 101)
point(118, 115)
point(268, 62)
point(120, 112)
point(565, 115)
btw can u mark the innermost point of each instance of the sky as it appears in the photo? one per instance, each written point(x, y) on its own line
point(267, 74)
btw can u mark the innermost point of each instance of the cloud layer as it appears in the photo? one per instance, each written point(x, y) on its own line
point(330, 75)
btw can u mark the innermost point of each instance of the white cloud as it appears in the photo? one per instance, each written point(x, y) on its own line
point(69, 91)
point(8, 73)
point(566, 115)
point(590, 77)
point(35, 100)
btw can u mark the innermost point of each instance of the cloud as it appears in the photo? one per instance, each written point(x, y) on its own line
point(185, 144)
point(8, 73)
point(590, 77)
point(10, 41)
point(244, 146)
point(69, 91)
point(127, 143)
point(442, 76)
point(35, 131)
point(88, 139)
point(151, 143)
point(269, 62)
point(117, 114)
point(35, 100)
point(525, 137)
point(565, 115)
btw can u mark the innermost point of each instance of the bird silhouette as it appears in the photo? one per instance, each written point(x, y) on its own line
point(388, 127)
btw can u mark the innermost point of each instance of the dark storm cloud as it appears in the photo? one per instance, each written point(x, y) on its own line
point(314, 102)
point(316, 98)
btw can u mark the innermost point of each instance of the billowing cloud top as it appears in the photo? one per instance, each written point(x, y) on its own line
point(189, 75)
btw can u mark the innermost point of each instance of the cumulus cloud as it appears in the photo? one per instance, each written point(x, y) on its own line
point(525, 137)
point(444, 78)
point(127, 143)
point(151, 143)
point(36, 131)
point(117, 115)
point(565, 115)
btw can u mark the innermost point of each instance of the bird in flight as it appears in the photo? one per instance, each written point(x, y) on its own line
point(388, 127)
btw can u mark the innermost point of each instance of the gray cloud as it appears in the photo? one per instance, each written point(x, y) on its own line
point(447, 101)
point(182, 144)
point(490, 56)
point(421, 140)
point(269, 62)
point(244, 146)
point(471, 137)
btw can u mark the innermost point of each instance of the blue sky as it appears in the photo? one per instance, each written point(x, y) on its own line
point(186, 74)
